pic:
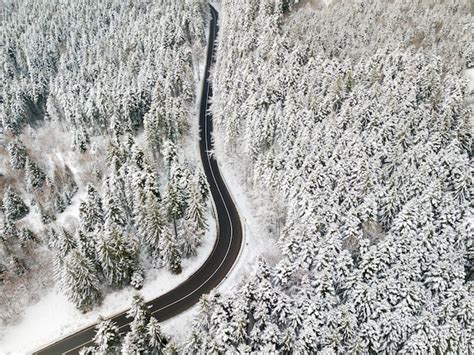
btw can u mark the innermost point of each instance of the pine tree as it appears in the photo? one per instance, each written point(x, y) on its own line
point(115, 202)
point(153, 225)
point(170, 252)
point(196, 208)
point(81, 140)
point(18, 154)
point(79, 281)
point(65, 242)
point(34, 176)
point(169, 153)
point(137, 278)
point(174, 204)
point(91, 212)
point(138, 157)
point(70, 184)
point(156, 340)
point(46, 216)
point(117, 257)
point(13, 205)
point(203, 186)
point(86, 244)
point(107, 338)
point(136, 339)
point(27, 235)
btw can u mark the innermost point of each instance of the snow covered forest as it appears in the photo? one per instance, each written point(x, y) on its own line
point(349, 121)
point(96, 106)
point(352, 117)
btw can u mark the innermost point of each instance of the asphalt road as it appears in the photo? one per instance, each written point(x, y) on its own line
point(226, 249)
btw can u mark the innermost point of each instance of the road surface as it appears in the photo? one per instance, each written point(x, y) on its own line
point(226, 249)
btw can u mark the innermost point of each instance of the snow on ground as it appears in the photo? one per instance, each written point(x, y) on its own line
point(216, 5)
point(179, 327)
point(54, 316)
point(257, 240)
point(470, 77)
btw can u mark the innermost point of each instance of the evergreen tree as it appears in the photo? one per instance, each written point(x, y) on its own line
point(136, 339)
point(34, 176)
point(115, 202)
point(174, 204)
point(46, 216)
point(156, 340)
point(107, 338)
point(79, 281)
point(153, 225)
point(81, 140)
point(138, 277)
point(65, 242)
point(27, 235)
point(91, 211)
point(18, 154)
point(196, 208)
point(117, 257)
point(86, 244)
point(170, 252)
point(13, 205)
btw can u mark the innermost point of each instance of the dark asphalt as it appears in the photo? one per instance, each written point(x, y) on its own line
point(226, 249)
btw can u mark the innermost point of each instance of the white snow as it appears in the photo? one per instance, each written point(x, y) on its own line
point(257, 240)
point(54, 316)
point(470, 78)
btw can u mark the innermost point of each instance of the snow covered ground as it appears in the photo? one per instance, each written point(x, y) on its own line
point(54, 316)
point(470, 77)
point(257, 239)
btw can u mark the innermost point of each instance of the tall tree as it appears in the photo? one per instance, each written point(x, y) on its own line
point(13, 205)
point(79, 281)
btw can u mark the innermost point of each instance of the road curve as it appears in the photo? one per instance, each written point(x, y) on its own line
point(226, 248)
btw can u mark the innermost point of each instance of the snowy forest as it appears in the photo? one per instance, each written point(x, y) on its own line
point(350, 120)
point(96, 107)
point(353, 118)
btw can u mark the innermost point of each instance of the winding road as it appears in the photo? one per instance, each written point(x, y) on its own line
point(226, 248)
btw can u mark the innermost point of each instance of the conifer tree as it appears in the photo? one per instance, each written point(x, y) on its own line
point(136, 339)
point(86, 244)
point(170, 252)
point(91, 211)
point(117, 256)
point(34, 176)
point(156, 340)
point(18, 154)
point(153, 225)
point(13, 205)
point(80, 283)
point(65, 242)
point(107, 338)
point(196, 208)
point(174, 204)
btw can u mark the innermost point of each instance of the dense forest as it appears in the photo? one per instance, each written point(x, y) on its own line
point(353, 118)
point(349, 118)
point(96, 106)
